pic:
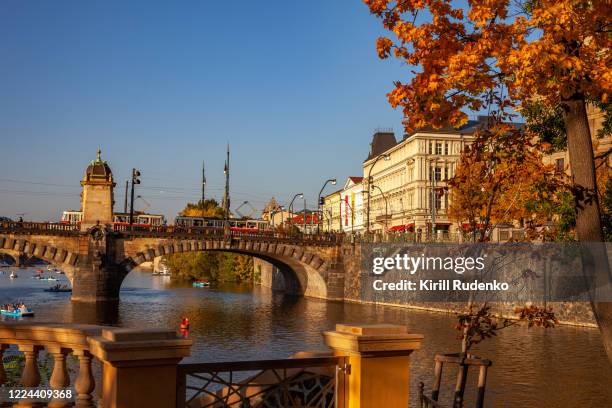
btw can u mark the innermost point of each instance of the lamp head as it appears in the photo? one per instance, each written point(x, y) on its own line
point(333, 181)
point(387, 157)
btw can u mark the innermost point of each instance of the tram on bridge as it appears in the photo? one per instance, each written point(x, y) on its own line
point(140, 219)
point(235, 224)
point(144, 220)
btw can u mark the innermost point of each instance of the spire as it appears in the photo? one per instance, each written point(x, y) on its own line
point(203, 181)
point(226, 198)
point(99, 158)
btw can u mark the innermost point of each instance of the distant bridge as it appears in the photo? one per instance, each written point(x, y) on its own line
point(97, 259)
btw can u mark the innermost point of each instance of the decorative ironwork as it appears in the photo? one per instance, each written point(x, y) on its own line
point(301, 382)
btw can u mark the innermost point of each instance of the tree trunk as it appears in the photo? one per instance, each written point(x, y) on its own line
point(588, 220)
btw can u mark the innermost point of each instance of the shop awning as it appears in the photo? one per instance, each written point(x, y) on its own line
point(402, 228)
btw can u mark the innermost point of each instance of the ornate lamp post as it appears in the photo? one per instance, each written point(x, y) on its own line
point(300, 195)
point(333, 181)
point(280, 209)
point(386, 157)
point(386, 205)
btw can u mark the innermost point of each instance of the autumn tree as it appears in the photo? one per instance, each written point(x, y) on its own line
point(203, 208)
point(555, 52)
point(501, 178)
point(215, 266)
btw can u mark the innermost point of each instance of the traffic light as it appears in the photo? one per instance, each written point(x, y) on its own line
point(135, 180)
point(135, 176)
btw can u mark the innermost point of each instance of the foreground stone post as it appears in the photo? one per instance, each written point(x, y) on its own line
point(85, 383)
point(139, 366)
point(379, 363)
point(59, 378)
point(30, 376)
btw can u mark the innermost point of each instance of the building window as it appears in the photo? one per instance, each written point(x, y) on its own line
point(560, 165)
point(438, 148)
point(430, 147)
point(438, 173)
point(446, 148)
point(438, 202)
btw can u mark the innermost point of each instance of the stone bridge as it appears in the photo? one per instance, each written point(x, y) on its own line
point(97, 260)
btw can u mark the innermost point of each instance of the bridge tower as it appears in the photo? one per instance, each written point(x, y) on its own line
point(97, 196)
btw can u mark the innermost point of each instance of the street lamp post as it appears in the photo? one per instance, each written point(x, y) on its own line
point(386, 205)
point(433, 198)
point(386, 157)
point(300, 195)
point(275, 211)
point(135, 180)
point(333, 181)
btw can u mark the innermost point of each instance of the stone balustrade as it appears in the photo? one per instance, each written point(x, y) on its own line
point(128, 358)
point(59, 341)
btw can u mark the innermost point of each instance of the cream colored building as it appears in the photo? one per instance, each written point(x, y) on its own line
point(351, 205)
point(331, 212)
point(404, 174)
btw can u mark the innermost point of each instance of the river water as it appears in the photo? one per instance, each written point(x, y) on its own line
point(560, 367)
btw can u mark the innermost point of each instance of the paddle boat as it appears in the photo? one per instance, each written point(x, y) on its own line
point(200, 284)
point(13, 275)
point(45, 278)
point(16, 312)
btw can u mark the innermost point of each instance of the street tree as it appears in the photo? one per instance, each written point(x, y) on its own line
point(501, 178)
point(554, 52)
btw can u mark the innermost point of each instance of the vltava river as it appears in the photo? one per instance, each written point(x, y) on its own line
point(560, 367)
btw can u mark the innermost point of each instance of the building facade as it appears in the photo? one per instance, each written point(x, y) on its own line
point(351, 205)
point(560, 160)
point(405, 182)
point(331, 212)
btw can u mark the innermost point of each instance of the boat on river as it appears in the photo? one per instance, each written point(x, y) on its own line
point(59, 289)
point(25, 312)
point(200, 284)
point(47, 278)
point(13, 275)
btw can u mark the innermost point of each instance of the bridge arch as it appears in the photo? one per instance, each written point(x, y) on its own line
point(304, 272)
point(61, 257)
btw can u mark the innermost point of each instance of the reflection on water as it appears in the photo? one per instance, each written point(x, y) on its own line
point(561, 367)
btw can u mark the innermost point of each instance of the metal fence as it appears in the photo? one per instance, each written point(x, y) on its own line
point(299, 382)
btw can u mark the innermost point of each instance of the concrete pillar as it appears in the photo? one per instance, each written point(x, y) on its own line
point(379, 358)
point(139, 366)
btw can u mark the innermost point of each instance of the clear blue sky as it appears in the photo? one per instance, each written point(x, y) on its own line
point(295, 87)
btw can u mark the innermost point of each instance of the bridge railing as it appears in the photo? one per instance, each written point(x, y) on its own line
point(213, 232)
point(38, 227)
